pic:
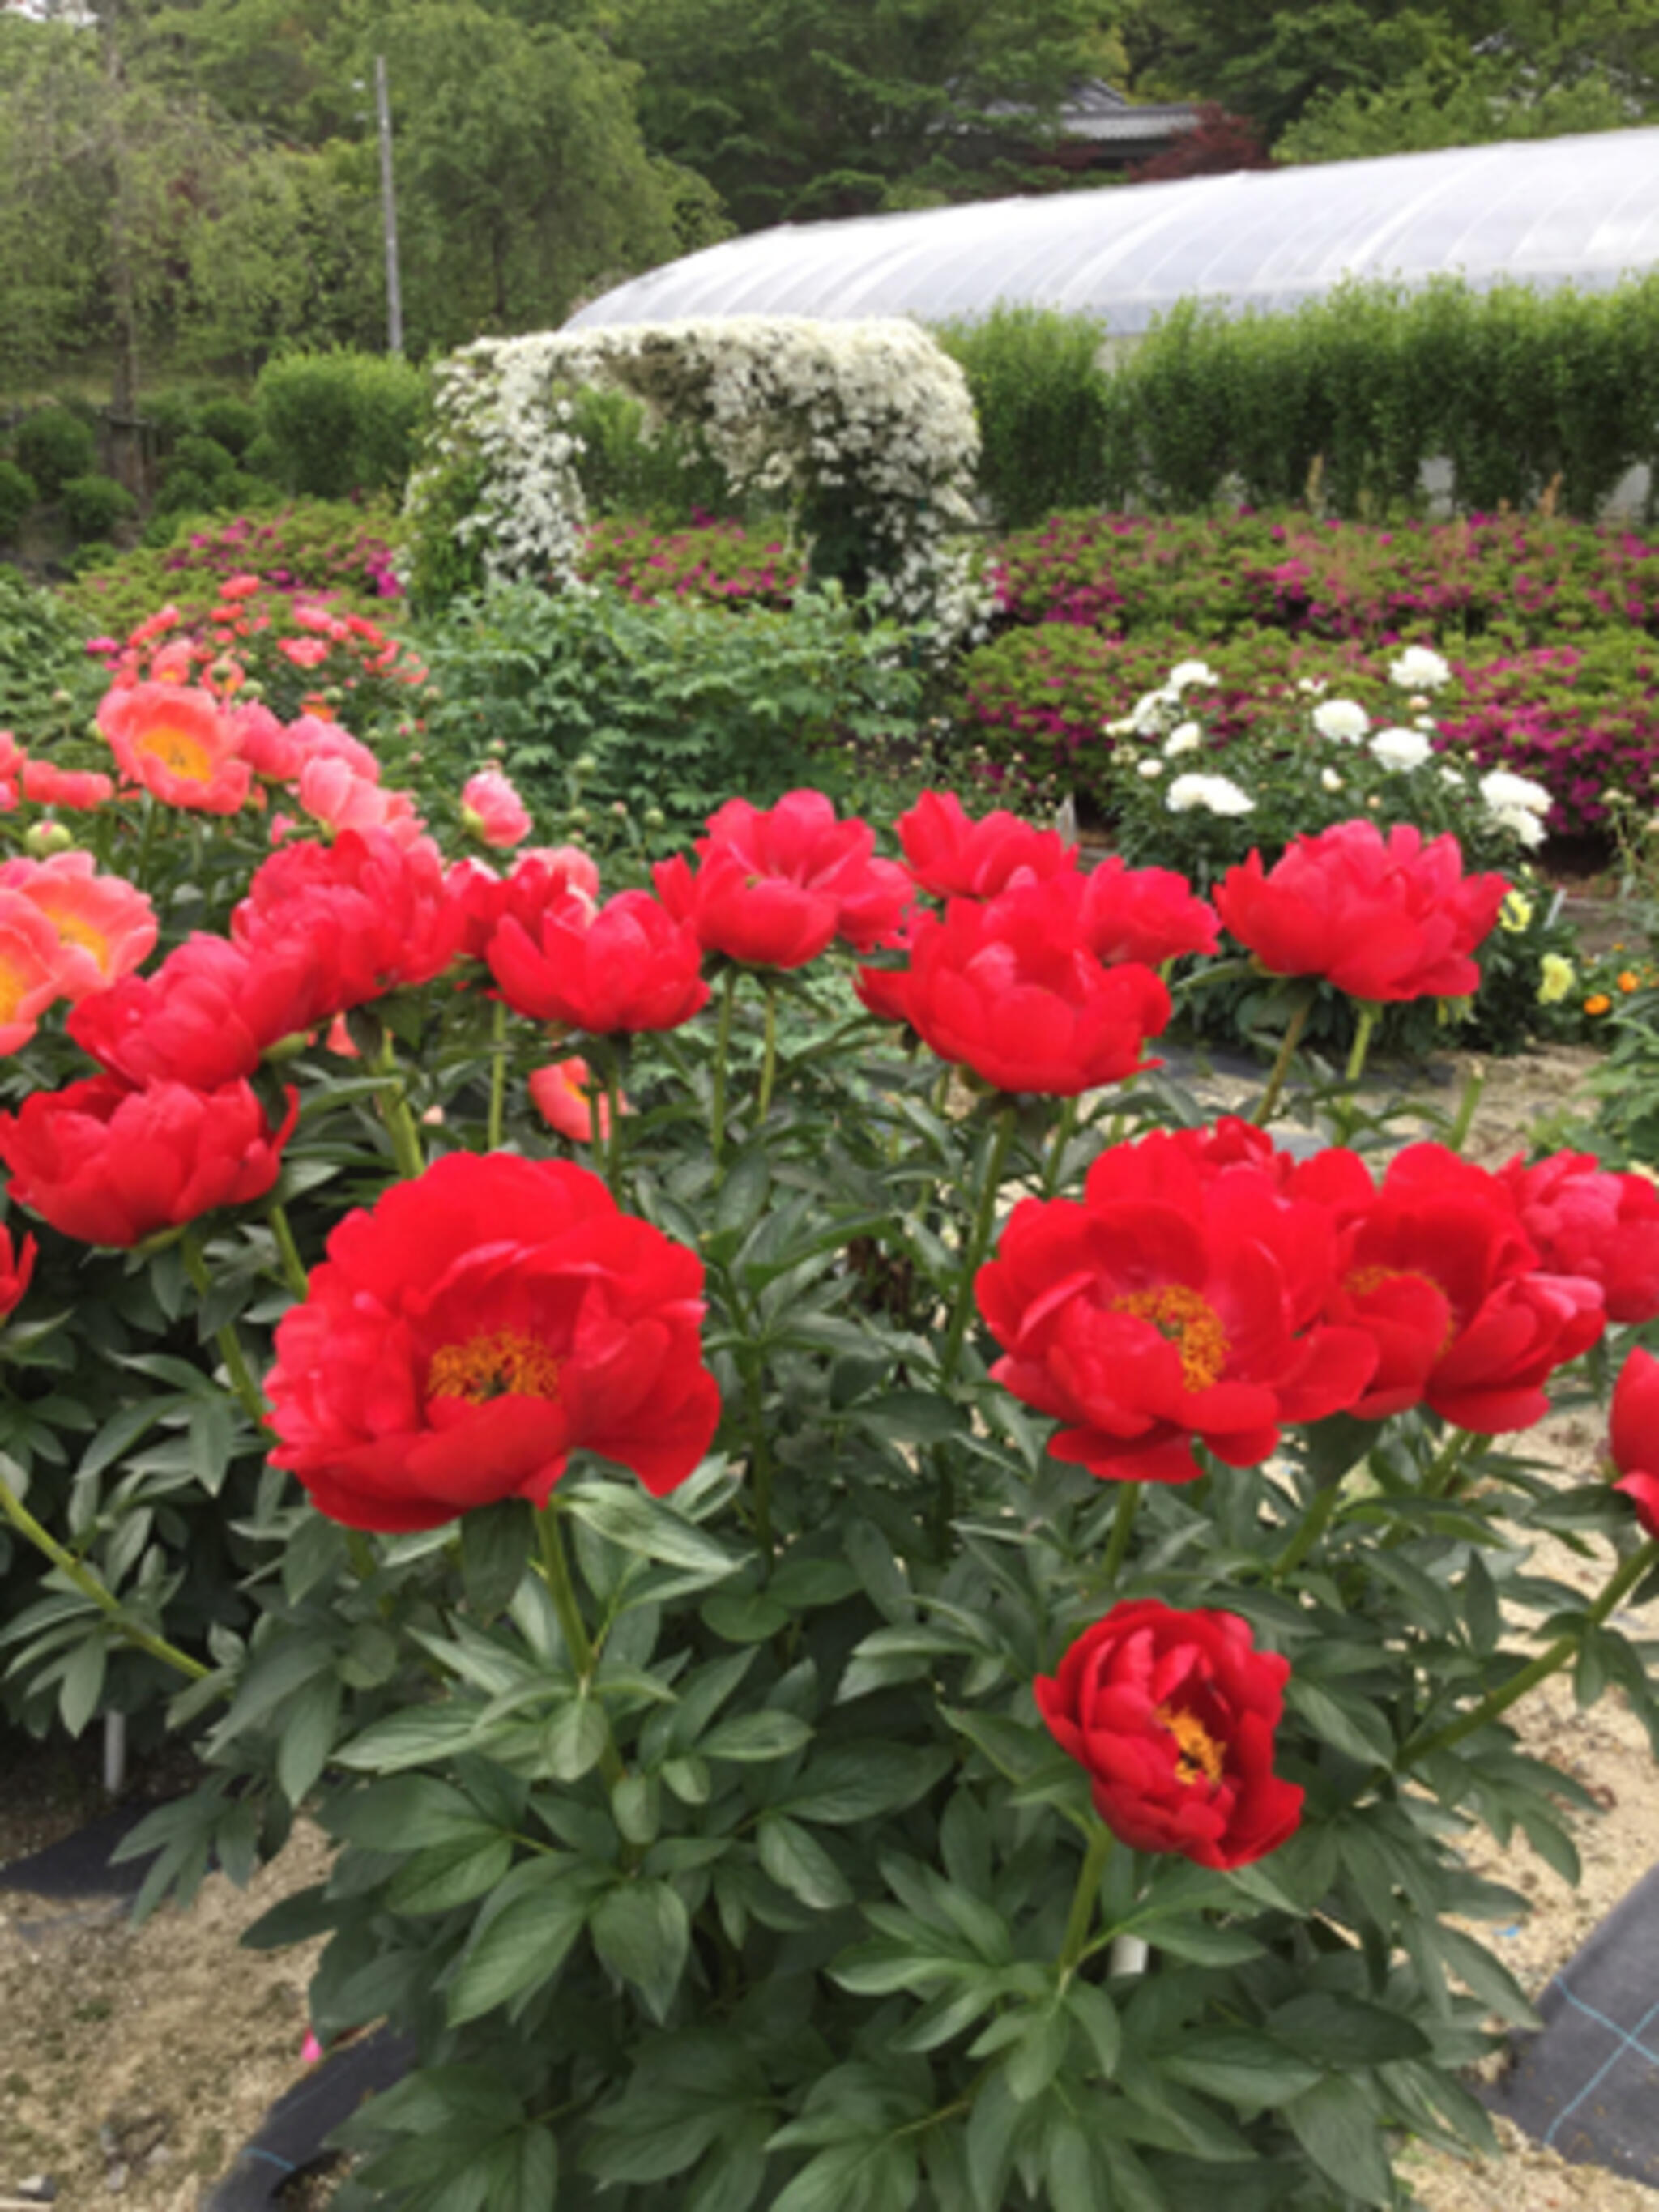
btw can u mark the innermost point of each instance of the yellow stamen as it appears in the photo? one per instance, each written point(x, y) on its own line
point(180, 751)
point(1200, 1755)
point(73, 929)
point(504, 1366)
point(1188, 1322)
point(14, 988)
point(1360, 1282)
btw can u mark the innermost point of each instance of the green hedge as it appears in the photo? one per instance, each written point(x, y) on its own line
point(332, 424)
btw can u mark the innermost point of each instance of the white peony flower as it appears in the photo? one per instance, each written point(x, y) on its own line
point(1330, 779)
point(1342, 719)
point(1151, 711)
point(1216, 794)
point(1187, 739)
point(1150, 769)
point(1418, 669)
point(1312, 687)
point(1399, 749)
point(1501, 789)
point(1521, 824)
point(1190, 672)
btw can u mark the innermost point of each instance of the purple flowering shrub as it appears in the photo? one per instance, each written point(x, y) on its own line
point(718, 561)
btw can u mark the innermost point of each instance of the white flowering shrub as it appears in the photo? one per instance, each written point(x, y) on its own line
point(866, 428)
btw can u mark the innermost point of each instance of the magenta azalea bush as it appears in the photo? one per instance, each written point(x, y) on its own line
point(720, 561)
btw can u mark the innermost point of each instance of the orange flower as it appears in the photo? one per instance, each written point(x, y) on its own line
point(565, 1094)
point(1600, 1004)
point(1627, 982)
point(177, 745)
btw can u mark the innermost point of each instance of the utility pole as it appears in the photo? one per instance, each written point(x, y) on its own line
point(394, 295)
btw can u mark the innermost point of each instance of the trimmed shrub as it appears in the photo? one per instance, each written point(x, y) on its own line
point(52, 445)
point(95, 505)
point(341, 422)
point(1042, 395)
point(19, 495)
point(232, 424)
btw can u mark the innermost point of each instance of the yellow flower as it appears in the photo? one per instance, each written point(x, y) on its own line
point(1516, 914)
point(1600, 1004)
point(1555, 979)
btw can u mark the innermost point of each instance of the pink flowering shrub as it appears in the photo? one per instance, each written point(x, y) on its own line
point(713, 560)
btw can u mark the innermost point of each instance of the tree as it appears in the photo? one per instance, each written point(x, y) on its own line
point(801, 108)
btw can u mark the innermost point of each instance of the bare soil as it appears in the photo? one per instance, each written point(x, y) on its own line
point(133, 2063)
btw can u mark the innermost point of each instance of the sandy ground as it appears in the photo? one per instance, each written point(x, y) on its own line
point(134, 2062)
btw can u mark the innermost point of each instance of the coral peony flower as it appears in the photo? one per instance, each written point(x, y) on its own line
point(773, 888)
point(270, 749)
point(304, 651)
point(79, 788)
point(566, 1095)
point(16, 1266)
point(493, 811)
point(1149, 914)
point(1382, 918)
point(208, 1013)
point(113, 1165)
point(332, 792)
point(179, 744)
point(1582, 1220)
point(1012, 988)
point(1172, 1715)
point(1182, 1297)
point(31, 968)
point(472, 1329)
point(953, 856)
point(105, 926)
point(626, 965)
point(321, 739)
point(1438, 1268)
point(1634, 1435)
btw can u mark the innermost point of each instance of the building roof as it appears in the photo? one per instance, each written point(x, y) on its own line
point(1584, 210)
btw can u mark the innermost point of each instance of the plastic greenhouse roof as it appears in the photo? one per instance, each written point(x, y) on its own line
point(1583, 209)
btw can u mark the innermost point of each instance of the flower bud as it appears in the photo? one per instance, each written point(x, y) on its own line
point(43, 838)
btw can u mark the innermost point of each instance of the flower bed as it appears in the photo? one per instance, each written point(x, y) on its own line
point(718, 561)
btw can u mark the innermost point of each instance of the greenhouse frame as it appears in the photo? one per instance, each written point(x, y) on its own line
point(1582, 211)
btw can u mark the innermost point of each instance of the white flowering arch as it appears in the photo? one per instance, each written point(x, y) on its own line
point(871, 418)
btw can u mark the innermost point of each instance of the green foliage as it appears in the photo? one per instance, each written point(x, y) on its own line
point(52, 445)
point(630, 466)
point(231, 422)
point(19, 495)
point(41, 655)
point(1531, 396)
point(676, 706)
point(93, 505)
point(338, 423)
point(201, 477)
point(1042, 397)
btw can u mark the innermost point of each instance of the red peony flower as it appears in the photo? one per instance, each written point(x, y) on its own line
point(373, 911)
point(1635, 1436)
point(208, 1014)
point(1172, 1715)
point(1149, 914)
point(472, 1329)
point(773, 888)
point(1584, 1221)
point(16, 1266)
point(539, 879)
point(628, 965)
point(1438, 1268)
point(953, 856)
point(179, 744)
point(1011, 988)
point(106, 927)
point(113, 1165)
point(1382, 918)
point(1179, 1299)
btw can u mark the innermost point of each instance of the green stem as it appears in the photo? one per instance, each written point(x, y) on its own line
point(497, 1076)
point(1118, 1549)
point(1062, 1137)
point(399, 1122)
point(556, 1571)
point(1457, 1135)
point(1312, 1527)
point(608, 1080)
point(760, 1461)
point(229, 1344)
point(722, 1050)
point(89, 1586)
point(1281, 1067)
point(1362, 1043)
point(979, 1239)
point(1537, 1670)
point(770, 1053)
point(1085, 1899)
point(294, 1267)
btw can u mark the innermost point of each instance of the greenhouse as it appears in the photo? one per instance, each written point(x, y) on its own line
point(1584, 210)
